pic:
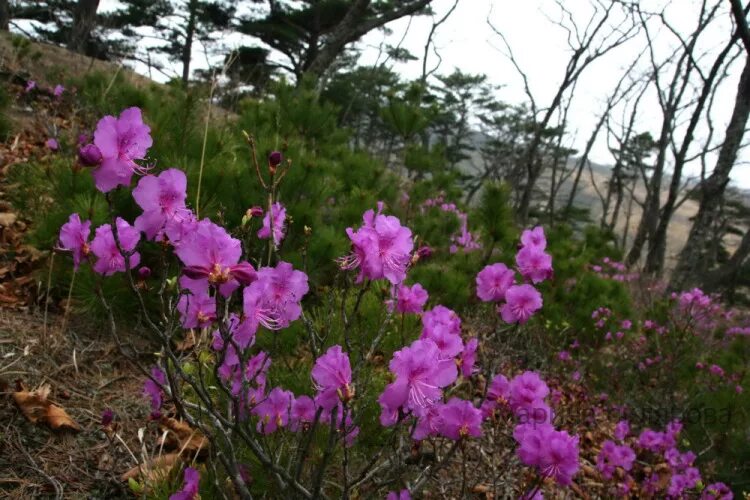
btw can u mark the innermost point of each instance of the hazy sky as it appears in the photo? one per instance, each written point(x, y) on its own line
point(466, 41)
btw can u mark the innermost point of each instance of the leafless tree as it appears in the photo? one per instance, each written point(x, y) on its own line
point(673, 95)
point(658, 243)
point(614, 99)
point(692, 267)
point(608, 27)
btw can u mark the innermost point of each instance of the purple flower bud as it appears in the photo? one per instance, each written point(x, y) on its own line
point(89, 155)
point(52, 144)
point(275, 159)
point(107, 416)
point(144, 272)
point(255, 211)
point(424, 252)
point(30, 85)
point(84, 138)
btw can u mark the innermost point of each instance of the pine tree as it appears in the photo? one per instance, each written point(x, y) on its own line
point(313, 34)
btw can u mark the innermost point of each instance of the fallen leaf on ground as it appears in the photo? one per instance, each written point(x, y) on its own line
point(38, 409)
point(187, 343)
point(153, 470)
point(7, 219)
point(183, 438)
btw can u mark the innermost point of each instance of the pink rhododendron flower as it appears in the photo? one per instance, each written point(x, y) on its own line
point(622, 429)
point(162, 199)
point(651, 440)
point(273, 412)
point(679, 461)
point(554, 453)
point(493, 282)
point(411, 299)
point(332, 375)
point(302, 413)
point(441, 318)
point(526, 390)
point(208, 252)
point(716, 370)
point(254, 372)
point(120, 141)
point(420, 375)
point(240, 332)
point(429, 423)
point(273, 300)
point(497, 395)
point(522, 301)
point(74, 236)
point(190, 485)
point(30, 85)
point(459, 419)
point(612, 456)
point(278, 214)
point(381, 248)
point(196, 307)
point(449, 344)
point(58, 90)
point(534, 238)
point(534, 264)
point(468, 358)
point(717, 491)
point(109, 260)
point(152, 387)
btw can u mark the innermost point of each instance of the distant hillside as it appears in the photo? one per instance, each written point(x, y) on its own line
point(597, 178)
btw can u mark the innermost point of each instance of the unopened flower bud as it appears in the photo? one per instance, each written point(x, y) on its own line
point(275, 159)
point(52, 144)
point(107, 416)
point(89, 155)
point(144, 272)
point(255, 211)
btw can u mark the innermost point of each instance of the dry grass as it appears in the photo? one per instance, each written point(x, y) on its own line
point(87, 375)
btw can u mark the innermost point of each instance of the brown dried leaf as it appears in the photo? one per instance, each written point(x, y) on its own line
point(7, 219)
point(183, 438)
point(38, 409)
point(480, 488)
point(187, 343)
point(153, 470)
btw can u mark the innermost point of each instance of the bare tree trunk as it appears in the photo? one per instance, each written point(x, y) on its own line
point(84, 22)
point(4, 15)
point(187, 49)
point(581, 164)
point(628, 215)
point(658, 244)
point(692, 266)
point(726, 275)
point(647, 224)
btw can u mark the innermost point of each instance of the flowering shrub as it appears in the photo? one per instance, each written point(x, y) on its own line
point(307, 421)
